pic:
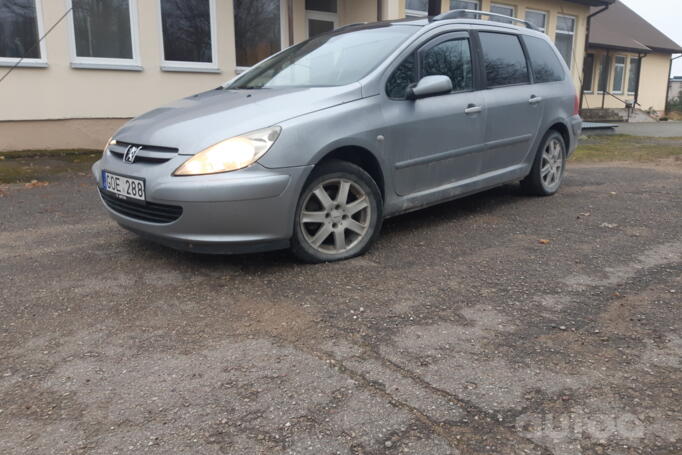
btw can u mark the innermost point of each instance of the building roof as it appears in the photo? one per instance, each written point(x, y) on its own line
point(621, 28)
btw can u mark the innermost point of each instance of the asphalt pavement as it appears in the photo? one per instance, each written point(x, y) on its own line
point(653, 129)
point(496, 324)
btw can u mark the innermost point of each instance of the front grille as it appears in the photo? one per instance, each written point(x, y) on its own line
point(150, 211)
point(148, 154)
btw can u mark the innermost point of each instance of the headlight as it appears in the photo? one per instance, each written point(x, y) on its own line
point(111, 141)
point(231, 154)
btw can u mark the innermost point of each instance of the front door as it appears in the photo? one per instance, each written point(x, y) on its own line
point(437, 141)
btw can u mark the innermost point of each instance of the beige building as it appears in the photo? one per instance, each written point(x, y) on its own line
point(628, 61)
point(105, 61)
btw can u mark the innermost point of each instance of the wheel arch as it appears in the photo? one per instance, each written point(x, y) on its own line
point(562, 128)
point(361, 157)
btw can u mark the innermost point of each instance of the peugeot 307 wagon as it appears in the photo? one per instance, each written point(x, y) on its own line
point(313, 147)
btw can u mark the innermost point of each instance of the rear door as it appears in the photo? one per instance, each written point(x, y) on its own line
point(514, 110)
point(435, 141)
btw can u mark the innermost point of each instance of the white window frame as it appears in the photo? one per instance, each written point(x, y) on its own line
point(603, 58)
point(320, 16)
point(502, 5)
point(572, 33)
point(613, 78)
point(415, 13)
point(639, 62)
point(536, 11)
point(477, 7)
point(283, 34)
point(130, 64)
point(201, 67)
point(31, 62)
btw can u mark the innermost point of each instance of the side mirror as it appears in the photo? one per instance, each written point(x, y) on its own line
point(429, 86)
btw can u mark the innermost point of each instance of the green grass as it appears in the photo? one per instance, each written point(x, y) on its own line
point(620, 147)
point(69, 155)
point(24, 166)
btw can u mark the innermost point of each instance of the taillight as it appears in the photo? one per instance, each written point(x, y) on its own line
point(576, 105)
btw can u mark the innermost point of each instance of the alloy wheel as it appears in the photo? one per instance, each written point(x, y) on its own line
point(335, 216)
point(552, 165)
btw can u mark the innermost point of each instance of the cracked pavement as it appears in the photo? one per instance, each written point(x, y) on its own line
point(458, 333)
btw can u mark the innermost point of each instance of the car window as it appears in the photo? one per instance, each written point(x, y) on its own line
point(450, 58)
point(545, 63)
point(331, 59)
point(505, 62)
point(404, 75)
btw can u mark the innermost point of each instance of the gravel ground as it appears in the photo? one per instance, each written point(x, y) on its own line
point(497, 324)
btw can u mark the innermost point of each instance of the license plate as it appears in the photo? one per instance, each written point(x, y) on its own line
point(123, 187)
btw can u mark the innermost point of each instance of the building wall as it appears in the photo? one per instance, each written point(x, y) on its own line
point(65, 134)
point(354, 11)
point(652, 86)
point(59, 91)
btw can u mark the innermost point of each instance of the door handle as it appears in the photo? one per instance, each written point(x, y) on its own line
point(472, 109)
point(534, 99)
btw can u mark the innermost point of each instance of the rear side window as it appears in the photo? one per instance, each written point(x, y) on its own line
point(545, 63)
point(450, 58)
point(505, 63)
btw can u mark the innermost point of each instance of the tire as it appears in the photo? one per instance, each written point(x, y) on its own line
point(328, 229)
point(548, 168)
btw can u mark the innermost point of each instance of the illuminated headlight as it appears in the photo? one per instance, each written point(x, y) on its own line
point(231, 154)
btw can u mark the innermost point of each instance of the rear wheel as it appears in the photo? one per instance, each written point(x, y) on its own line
point(547, 172)
point(338, 215)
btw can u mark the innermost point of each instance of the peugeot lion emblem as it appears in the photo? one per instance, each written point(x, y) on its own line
point(131, 153)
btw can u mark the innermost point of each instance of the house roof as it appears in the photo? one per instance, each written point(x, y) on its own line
point(621, 28)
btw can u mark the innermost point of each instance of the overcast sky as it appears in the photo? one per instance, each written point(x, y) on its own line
point(665, 15)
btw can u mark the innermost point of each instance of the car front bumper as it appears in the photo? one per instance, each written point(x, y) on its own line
point(241, 211)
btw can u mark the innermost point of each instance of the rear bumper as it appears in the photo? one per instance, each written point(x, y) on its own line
point(235, 212)
point(575, 129)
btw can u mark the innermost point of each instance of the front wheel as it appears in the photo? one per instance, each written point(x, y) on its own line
point(547, 172)
point(338, 215)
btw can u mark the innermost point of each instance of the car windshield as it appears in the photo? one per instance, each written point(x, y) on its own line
point(328, 60)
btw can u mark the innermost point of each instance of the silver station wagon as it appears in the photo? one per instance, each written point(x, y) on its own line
point(313, 147)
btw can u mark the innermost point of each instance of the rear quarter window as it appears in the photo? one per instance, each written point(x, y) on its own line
point(504, 60)
point(546, 65)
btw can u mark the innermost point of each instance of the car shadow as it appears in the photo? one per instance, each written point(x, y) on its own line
point(447, 212)
point(409, 224)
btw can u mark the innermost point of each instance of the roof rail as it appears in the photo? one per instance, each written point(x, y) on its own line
point(460, 13)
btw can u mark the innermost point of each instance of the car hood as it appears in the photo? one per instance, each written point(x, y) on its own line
point(199, 121)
